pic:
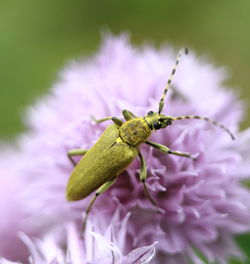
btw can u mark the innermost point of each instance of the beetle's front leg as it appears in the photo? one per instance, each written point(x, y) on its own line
point(99, 191)
point(143, 176)
point(75, 152)
point(165, 149)
point(116, 120)
point(128, 115)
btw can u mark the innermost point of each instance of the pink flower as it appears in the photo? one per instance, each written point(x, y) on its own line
point(97, 248)
point(203, 201)
point(11, 211)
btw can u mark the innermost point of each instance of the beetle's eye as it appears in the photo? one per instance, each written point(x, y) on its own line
point(169, 122)
point(150, 113)
point(157, 125)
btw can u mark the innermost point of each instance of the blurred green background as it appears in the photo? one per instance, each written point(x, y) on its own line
point(37, 38)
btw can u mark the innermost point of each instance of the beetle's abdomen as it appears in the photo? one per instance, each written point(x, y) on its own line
point(105, 160)
point(135, 131)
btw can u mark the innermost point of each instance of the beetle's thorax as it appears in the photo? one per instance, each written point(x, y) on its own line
point(135, 131)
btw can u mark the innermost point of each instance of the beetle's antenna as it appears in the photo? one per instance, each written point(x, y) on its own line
point(208, 120)
point(161, 103)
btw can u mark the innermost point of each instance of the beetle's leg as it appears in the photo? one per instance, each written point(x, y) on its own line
point(165, 149)
point(75, 152)
point(116, 120)
point(128, 115)
point(143, 176)
point(99, 121)
point(99, 191)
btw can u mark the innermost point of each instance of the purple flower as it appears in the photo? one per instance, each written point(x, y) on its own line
point(203, 202)
point(11, 211)
point(97, 249)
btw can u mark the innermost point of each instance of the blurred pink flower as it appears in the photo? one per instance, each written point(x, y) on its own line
point(97, 249)
point(204, 202)
point(11, 204)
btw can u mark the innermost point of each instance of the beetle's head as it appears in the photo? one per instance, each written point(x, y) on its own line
point(157, 121)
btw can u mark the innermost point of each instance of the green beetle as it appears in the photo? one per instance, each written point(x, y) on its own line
point(118, 146)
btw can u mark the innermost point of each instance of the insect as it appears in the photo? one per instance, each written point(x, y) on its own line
point(118, 146)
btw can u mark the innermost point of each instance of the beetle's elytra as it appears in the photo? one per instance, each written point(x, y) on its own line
point(100, 164)
point(118, 146)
